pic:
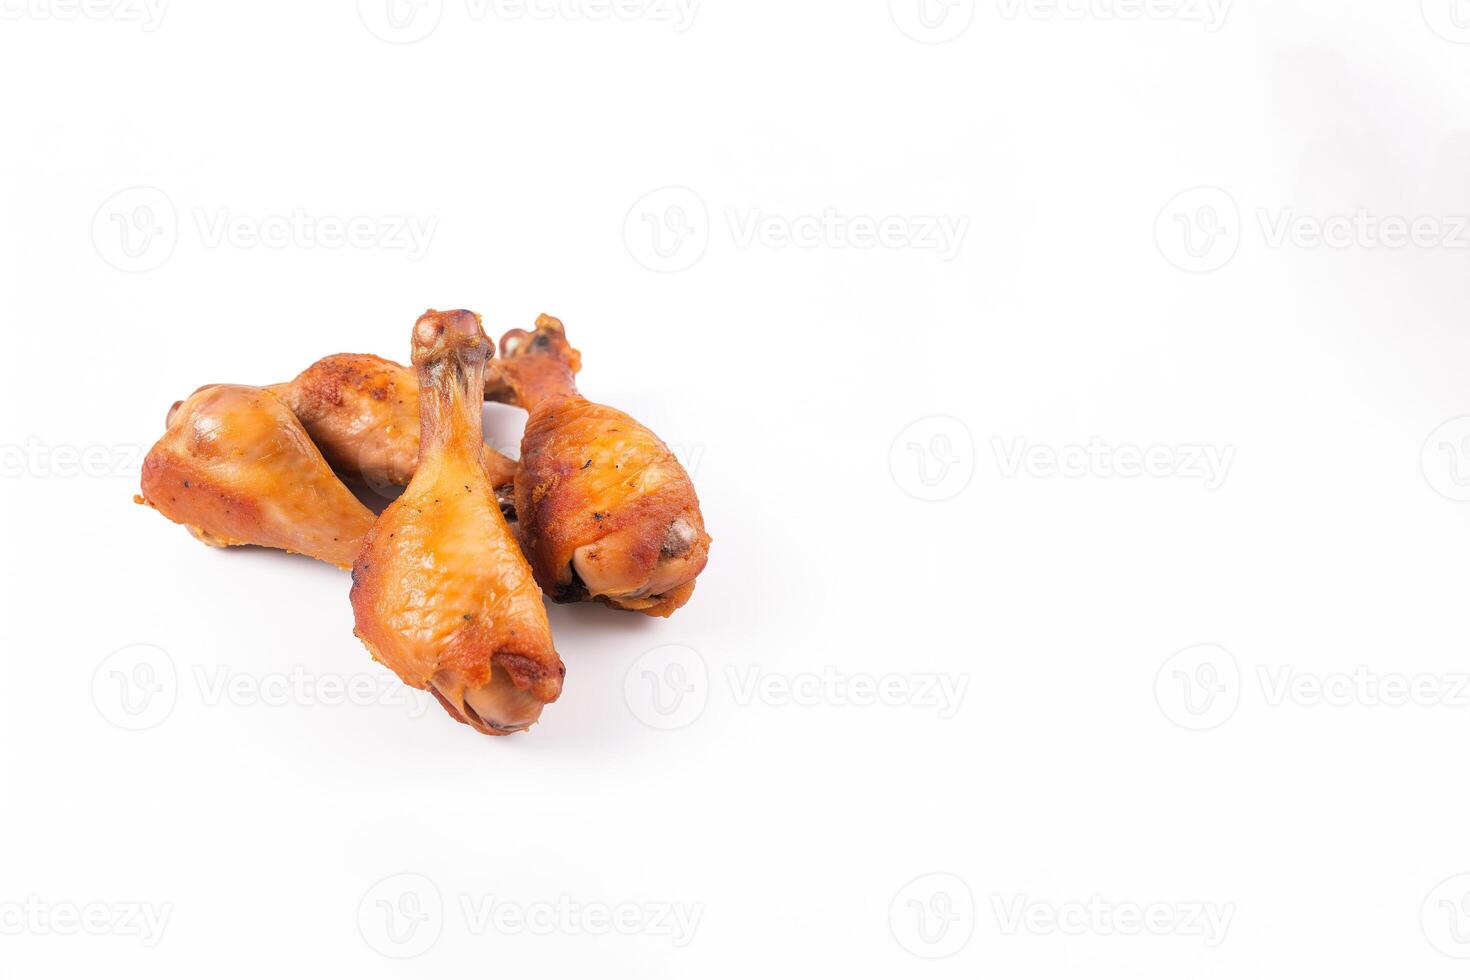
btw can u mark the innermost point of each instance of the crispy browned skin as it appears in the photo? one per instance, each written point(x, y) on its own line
point(362, 411)
point(606, 512)
point(441, 593)
point(236, 467)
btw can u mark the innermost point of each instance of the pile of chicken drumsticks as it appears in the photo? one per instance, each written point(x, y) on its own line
point(446, 591)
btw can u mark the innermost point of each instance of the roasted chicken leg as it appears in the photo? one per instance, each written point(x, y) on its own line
point(362, 411)
point(441, 593)
point(605, 510)
point(236, 467)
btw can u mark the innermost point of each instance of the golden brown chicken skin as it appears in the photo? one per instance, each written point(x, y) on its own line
point(237, 468)
point(362, 411)
point(605, 510)
point(441, 593)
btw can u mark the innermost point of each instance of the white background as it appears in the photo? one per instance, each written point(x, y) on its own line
point(1087, 768)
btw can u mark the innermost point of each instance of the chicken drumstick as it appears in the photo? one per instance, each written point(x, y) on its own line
point(362, 411)
point(236, 467)
point(441, 593)
point(605, 510)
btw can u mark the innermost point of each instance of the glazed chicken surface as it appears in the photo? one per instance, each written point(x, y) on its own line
point(441, 593)
point(605, 510)
point(236, 467)
point(362, 411)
